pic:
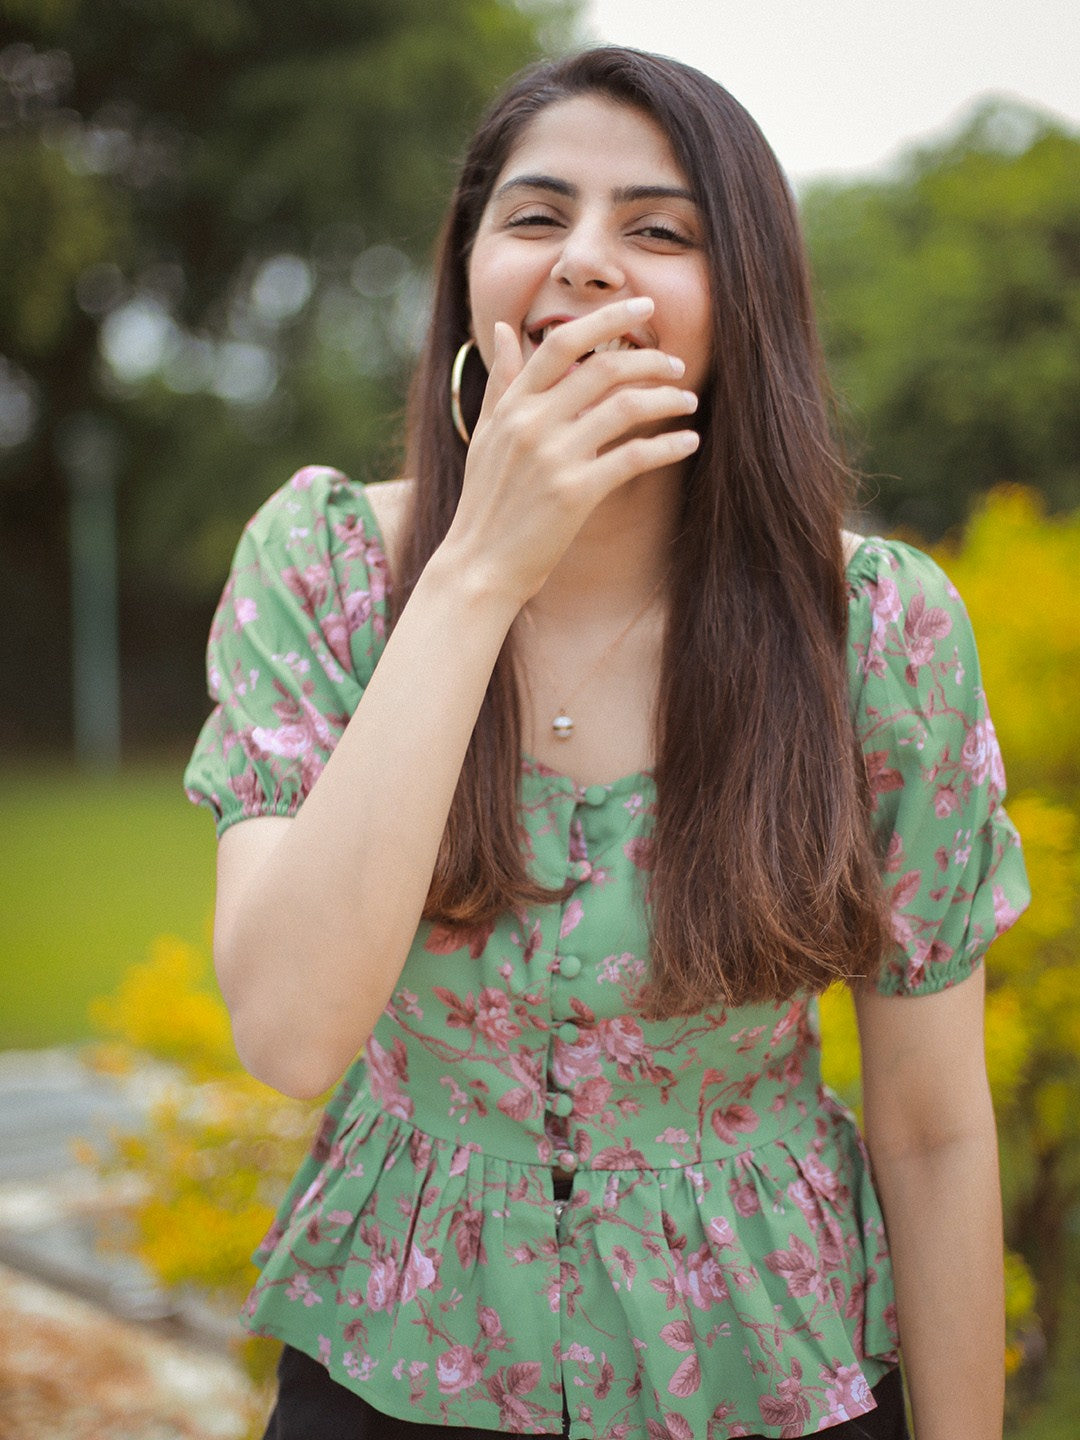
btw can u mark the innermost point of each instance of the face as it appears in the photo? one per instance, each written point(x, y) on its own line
point(591, 207)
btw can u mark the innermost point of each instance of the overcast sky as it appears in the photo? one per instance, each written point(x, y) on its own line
point(839, 86)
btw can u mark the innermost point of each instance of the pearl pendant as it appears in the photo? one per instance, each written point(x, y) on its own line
point(563, 727)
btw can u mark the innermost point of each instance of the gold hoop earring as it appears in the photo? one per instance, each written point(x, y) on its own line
point(455, 390)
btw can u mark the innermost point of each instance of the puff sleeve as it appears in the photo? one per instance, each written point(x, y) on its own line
point(951, 858)
point(295, 638)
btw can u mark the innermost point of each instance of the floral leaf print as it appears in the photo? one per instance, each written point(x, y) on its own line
point(798, 1266)
point(687, 1378)
point(905, 889)
point(506, 1387)
point(626, 1263)
point(923, 627)
point(522, 1378)
point(882, 777)
point(465, 1227)
point(674, 1427)
point(518, 1104)
point(733, 1121)
point(789, 1408)
point(462, 1014)
point(679, 1334)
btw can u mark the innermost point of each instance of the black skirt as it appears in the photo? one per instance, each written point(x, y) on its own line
point(312, 1406)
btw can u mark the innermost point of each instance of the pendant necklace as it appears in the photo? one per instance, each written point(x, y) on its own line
point(562, 724)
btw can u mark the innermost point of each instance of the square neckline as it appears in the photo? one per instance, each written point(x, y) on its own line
point(530, 763)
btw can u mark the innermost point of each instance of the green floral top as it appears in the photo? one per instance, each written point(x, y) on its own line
point(721, 1267)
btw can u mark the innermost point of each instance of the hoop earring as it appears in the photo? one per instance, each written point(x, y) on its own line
point(455, 390)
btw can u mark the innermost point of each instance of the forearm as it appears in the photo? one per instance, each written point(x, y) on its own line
point(943, 1213)
point(310, 945)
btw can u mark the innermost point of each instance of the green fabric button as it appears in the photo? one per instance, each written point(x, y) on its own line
point(594, 794)
point(561, 1104)
point(567, 1032)
point(567, 1160)
point(569, 966)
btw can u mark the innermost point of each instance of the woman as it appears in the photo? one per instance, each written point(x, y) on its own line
point(574, 855)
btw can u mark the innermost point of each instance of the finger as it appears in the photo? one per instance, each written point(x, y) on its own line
point(506, 366)
point(627, 410)
point(607, 371)
point(569, 342)
point(639, 456)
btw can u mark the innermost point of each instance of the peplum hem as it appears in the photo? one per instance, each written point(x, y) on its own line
point(720, 1298)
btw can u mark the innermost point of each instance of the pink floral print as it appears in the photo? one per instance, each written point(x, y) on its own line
point(720, 1268)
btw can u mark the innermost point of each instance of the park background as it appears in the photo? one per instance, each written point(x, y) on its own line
point(215, 218)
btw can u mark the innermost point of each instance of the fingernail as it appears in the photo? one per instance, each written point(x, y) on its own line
point(688, 439)
point(677, 365)
point(691, 399)
point(640, 305)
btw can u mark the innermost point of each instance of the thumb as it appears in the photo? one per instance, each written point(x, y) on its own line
point(506, 366)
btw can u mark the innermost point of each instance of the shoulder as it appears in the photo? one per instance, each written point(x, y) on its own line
point(311, 506)
point(313, 552)
point(910, 646)
point(872, 560)
point(391, 503)
point(896, 589)
point(319, 520)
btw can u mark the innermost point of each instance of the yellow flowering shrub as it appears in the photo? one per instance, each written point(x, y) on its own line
point(220, 1147)
point(1018, 572)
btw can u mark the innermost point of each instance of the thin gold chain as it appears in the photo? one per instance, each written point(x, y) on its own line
point(562, 723)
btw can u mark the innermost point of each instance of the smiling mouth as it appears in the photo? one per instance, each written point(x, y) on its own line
point(620, 342)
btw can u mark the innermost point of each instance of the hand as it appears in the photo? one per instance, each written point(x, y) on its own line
point(555, 436)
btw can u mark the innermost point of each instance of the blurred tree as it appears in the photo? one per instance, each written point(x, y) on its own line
point(950, 304)
point(214, 216)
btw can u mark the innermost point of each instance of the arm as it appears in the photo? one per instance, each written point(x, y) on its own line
point(930, 1131)
point(315, 915)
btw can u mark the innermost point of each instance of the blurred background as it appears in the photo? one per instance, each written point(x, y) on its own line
point(215, 223)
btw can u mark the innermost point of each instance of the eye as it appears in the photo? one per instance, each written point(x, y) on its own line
point(530, 219)
point(665, 233)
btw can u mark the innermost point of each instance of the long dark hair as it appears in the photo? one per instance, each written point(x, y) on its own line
point(764, 879)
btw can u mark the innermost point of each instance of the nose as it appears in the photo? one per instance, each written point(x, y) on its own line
point(587, 261)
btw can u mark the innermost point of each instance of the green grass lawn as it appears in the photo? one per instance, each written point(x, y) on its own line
point(91, 870)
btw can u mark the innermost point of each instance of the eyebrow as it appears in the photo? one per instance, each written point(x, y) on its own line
point(624, 195)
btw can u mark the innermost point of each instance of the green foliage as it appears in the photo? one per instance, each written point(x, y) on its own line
point(215, 217)
point(53, 226)
point(950, 301)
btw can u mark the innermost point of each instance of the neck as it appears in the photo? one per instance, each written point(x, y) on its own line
point(619, 556)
